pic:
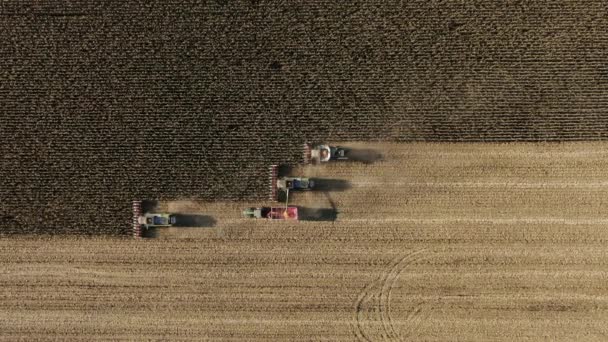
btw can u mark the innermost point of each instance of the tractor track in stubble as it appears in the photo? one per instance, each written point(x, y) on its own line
point(397, 270)
point(510, 185)
point(379, 292)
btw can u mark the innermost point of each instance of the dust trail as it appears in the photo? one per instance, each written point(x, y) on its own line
point(366, 156)
point(331, 184)
point(319, 214)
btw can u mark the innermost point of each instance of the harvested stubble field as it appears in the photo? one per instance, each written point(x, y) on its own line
point(103, 102)
point(436, 242)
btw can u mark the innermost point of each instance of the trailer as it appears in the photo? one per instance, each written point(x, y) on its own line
point(272, 213)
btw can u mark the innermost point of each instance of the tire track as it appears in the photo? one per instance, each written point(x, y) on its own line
point(415, 318)
point(452, 220)
point(359, 331)
point(398, 269)
point(371, 294)
point(378, 293)
point(510, 185)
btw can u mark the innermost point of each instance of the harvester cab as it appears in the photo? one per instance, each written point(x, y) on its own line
point(323, 153)
point(151, 220)
point(295, 183)
point(285, 184)
point(256, 212)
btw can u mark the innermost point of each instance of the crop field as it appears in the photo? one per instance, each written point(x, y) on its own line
point(104, 102)
point(485, 219)
point(435, 242)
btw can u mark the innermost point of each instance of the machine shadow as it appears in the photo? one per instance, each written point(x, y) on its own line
point(317, 214)
point(328, 184)
point(365, 156)
point(184, 221)
point(324, 185)
point(193, 220)
point(150, 233)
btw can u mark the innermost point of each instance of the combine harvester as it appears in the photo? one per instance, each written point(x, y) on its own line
point(286, 184)
point(323, 153)
point(144, 221)
point(279, 213)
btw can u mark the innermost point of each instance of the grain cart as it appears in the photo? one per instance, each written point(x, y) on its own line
point(144, 221)
point(323, 153)
point(272, 213)
point(286, 184)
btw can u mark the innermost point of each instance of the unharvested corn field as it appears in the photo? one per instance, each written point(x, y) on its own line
point(484, 221)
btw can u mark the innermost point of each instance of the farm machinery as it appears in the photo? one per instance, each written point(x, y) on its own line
point(272, 213)
point(144, 221)
point(286, 184)
point(323, 153)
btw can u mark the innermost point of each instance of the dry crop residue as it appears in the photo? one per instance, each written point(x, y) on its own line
point(419, 250)
point(373, 305)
